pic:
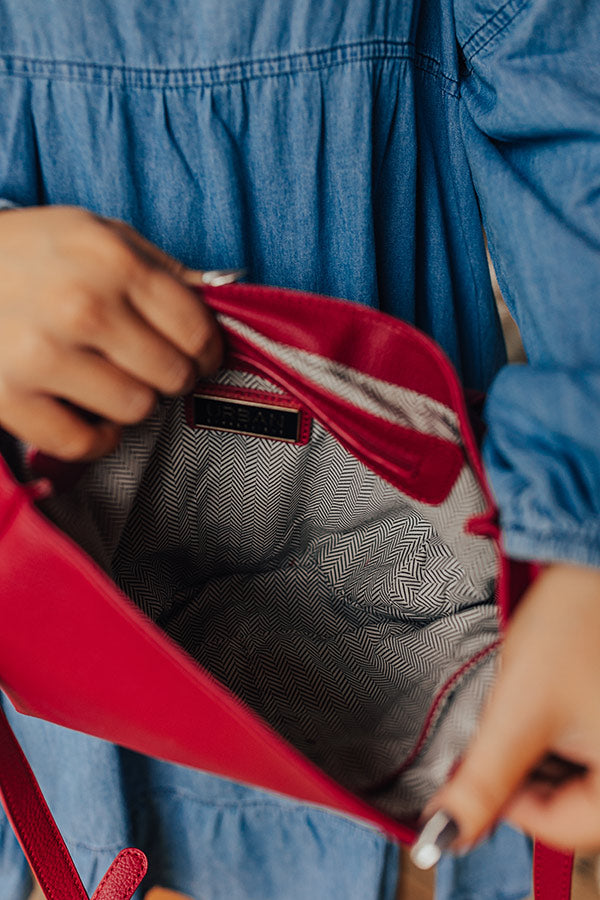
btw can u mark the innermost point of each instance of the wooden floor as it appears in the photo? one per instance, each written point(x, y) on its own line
point(416, 885)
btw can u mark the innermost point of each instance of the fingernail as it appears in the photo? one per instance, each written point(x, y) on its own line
point(219, 277)
point(436, 836)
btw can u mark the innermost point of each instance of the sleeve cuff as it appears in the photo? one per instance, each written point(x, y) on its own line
point(541, 456)
point(581, 547)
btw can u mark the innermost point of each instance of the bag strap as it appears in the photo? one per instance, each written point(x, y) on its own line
point(552, 870)
point(51, 862)
point(41, 840)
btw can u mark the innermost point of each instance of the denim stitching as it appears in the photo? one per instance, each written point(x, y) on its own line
point(225, 73)
point(452, 91)
point(209, 75)
point(431, 66)
point(493, 27)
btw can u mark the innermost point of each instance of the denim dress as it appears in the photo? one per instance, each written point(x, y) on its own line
point(351, 148)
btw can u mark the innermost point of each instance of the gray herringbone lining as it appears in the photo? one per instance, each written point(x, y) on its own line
point(335, 606)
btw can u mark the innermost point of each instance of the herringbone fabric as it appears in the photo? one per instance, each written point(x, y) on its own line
point(331, 603)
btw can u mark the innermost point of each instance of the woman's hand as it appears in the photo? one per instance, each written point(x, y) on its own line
point(93, 314)
point(547, 700)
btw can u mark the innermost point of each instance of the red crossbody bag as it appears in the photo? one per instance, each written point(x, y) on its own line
point(338, 594)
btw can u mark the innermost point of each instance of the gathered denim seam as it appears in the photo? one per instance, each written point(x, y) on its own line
point(225, 73)
point(493, 27)
point(220, 806)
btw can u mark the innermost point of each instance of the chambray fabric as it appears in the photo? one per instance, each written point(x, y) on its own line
point(206, 837)
point(348, 147)
point(498, 868)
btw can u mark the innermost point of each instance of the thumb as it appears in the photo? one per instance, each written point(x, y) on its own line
point(513, 737)
point(155, 256)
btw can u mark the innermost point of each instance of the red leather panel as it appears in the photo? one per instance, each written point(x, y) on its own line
point(64, 612)
point(388, 348)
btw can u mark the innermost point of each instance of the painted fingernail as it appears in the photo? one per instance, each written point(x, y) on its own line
point(436, 836)
point(219, 277)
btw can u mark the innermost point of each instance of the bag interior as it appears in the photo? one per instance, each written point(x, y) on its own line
point(351, 617)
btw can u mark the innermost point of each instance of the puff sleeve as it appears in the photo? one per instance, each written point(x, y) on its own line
point(530, 118)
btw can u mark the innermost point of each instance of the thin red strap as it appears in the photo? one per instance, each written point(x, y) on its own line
point(51, 862)
point(41, 840)
point(552, 870)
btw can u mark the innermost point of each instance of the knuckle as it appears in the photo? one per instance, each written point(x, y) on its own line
point(173, 267)
point(485, 796)
point(178, 376)
point(6, 396)
point(122, 257)
point(477, 803)
point(138, 405)
point(36, 352)
point(199, 341)
point(205, 346)
point(214, 360)
point(77, 228)
point(76, 217)
point(83, 314)
point(108, 239)
point(77, 443)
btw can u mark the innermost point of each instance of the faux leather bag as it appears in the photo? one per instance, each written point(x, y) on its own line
point(313, 555)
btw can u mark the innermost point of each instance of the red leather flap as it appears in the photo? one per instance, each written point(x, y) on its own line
point(76, 651)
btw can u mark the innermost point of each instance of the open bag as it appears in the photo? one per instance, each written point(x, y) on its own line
point(313, 558)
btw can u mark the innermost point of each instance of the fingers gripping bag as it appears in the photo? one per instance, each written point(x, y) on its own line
point(298, 564)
